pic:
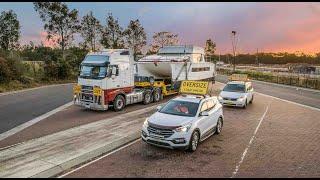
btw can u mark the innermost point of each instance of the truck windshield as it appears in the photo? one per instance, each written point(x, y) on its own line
point(234, 88)
point(180, 108)
point(95, 72)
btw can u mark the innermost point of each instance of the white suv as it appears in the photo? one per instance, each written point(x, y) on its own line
point(183, 122)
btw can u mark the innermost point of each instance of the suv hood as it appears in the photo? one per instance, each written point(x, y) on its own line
point(168, 120)
point(235, 95)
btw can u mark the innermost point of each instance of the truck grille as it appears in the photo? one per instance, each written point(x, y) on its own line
point(162, 132)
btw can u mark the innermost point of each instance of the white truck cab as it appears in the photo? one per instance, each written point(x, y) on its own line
point(238, 92)
point(183, 122)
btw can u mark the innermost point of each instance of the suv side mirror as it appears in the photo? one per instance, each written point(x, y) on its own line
point(204, 113)
point(159, 107)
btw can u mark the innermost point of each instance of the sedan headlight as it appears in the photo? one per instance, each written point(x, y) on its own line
point(184, 128)
point(241, 98)
point(220, 98)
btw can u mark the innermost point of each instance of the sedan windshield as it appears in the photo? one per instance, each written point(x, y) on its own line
point(234, 88)
point(93, 71)
point(180, 108)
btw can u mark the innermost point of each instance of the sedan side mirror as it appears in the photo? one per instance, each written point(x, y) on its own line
point(204, 113)
point(159, 107)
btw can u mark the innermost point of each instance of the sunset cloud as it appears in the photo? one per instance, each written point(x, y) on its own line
point(268, 26)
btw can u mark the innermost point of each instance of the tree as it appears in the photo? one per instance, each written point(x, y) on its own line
point(210, 49)
point(163, 38)
point(135, 37)
point(112, 34)
point(90, 29)
point(59, 20)
point(9, 30)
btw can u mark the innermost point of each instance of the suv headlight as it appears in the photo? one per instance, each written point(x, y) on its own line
point(146, 124)
point(184, 128)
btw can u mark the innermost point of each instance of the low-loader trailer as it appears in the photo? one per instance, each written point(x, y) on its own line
point(111, 77)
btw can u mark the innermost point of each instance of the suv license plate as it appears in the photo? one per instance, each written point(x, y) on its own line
point(156, 136)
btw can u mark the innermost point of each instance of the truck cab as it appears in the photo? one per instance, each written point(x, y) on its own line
point(103, 76)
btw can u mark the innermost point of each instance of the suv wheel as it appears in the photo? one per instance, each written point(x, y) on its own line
point(118, 103)
point(194, 141)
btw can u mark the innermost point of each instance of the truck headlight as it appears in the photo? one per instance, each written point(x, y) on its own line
point(184, 128)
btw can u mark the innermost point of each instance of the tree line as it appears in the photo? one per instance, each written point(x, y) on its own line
point(61, 24)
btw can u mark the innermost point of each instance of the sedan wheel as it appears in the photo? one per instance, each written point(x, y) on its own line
point(219, 126)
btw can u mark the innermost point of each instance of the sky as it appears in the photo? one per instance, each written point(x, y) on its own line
point(268, 27)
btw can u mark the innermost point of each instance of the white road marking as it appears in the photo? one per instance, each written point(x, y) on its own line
point(306, 106)
point(250, 142)
point(33, 121)
point(87, 164)
point(29, 89)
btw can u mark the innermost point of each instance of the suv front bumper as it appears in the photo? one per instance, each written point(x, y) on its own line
point(175, 141)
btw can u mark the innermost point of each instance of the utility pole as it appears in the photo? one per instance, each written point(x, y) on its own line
point(257, 59)
point(234, 45)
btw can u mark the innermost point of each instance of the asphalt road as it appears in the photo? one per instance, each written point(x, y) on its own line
point(292, 93)
point(271, 138)
point(18, 108)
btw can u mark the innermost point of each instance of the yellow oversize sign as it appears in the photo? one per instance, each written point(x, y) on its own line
point(194, 87)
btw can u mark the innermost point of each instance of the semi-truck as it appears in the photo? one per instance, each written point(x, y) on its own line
point(112, 78)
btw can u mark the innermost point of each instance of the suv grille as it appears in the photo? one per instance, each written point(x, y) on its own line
point(162, 132)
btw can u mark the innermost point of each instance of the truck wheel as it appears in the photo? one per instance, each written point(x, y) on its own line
point(156, 95)
point(147, 97)
point(119, 103)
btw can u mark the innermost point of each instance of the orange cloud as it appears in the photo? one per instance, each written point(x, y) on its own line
point(49, 42)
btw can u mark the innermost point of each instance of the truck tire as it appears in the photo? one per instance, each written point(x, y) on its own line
point(119, 103)
point(147, 98)
point(156, 95)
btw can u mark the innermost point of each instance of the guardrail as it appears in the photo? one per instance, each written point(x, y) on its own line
point(292, 79)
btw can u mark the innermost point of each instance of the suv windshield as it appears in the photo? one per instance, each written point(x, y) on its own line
point(234, 88)
point(180, 108)
point(93, 71)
